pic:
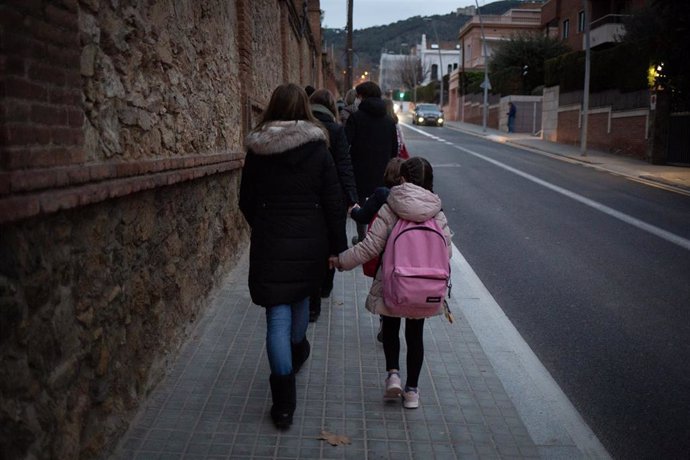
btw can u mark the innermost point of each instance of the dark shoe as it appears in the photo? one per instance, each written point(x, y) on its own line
point(314, 308)
point(284, 396)
point(300, 353)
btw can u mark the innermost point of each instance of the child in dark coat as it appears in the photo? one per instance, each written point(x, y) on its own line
point(364, 214)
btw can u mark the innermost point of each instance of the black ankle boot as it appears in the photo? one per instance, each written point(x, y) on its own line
point(284, 400)
point(300, 353)
point(314, 308)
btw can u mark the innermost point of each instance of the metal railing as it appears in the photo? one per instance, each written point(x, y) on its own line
point(609, 19)
point(501, 19)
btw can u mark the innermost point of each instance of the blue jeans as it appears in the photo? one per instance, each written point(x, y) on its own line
point(511, 124)
point(285, 324)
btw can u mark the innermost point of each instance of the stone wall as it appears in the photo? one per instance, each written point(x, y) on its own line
point(95, 300)
point(121, 130)
point(617, 122)
point(471, 111)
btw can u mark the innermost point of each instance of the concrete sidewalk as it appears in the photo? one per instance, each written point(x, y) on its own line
point(675, 178)
point(481, 397)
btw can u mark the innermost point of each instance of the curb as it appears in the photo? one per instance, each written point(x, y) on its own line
point(645, 179)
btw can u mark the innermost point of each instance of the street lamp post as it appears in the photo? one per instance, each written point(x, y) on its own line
point(348, 47)
point(486, 85)
point(440, 60)
point(585, 99)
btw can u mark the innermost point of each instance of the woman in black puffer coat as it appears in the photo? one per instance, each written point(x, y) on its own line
point(324, 110)
point(292, 200)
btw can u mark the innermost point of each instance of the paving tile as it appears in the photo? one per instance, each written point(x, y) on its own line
point(214, 402)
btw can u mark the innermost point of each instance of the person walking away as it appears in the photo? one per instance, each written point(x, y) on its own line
point(402, 148)
point(415, 201)
point(324, 110)
point(373, 141)
point(351, 102)
point(292, 201)
point(511, 117)
point(365, 214)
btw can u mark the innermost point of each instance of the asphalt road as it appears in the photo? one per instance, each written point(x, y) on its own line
point(601, 299)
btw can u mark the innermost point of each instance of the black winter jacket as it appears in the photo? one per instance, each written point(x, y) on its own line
point(373, 142)
point(340, 149)
point(291, 198)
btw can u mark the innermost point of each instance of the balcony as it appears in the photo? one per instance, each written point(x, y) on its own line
point(607, 29)
point(523, 18)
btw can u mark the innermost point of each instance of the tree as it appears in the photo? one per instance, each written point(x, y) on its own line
point(410, 71)
point(517, 65)
point(660, 30)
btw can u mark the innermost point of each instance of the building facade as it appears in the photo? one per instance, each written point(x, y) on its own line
point(526, 19)
point(565, 19)
point(121, 145)
point(438, 59)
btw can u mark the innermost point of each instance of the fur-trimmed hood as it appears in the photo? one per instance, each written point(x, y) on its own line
point(279, 136)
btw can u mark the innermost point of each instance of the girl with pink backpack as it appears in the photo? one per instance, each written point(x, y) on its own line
point(412, 263)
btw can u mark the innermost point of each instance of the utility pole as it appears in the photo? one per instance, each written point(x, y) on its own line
point(585, 95)
point(486, 85)
point(440, 62)
point(348, 75)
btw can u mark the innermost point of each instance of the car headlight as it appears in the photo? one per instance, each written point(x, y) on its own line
point(440, 120)
point(420, 119)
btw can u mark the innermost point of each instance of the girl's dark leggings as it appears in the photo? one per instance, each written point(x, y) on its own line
point(414, 337)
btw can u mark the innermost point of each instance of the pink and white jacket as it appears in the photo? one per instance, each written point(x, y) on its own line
point(410, 202)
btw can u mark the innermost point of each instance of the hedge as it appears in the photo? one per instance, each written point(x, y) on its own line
point(621, 67)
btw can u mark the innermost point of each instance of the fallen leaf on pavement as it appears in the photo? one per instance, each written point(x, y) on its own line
point(334, 439)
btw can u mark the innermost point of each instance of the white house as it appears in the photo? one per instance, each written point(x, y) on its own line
point(448, 60)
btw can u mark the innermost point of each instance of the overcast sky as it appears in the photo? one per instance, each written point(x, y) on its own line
point(369, 13)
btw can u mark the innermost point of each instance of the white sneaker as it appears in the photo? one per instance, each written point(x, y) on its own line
point(393, 387)
point(411, 398)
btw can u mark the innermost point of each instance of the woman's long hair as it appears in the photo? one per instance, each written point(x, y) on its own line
point(325, 98)
point(288, 102)
point(350, 97)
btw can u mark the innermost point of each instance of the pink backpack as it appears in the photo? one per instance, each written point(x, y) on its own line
point(416, 269)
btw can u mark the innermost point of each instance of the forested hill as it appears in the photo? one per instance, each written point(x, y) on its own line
point(369, 43)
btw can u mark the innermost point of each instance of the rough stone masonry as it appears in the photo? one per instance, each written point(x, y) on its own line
point(121, 134)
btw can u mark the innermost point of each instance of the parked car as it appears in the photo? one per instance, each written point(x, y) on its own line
point(428, 114)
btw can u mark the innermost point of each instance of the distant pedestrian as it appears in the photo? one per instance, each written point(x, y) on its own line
point(292, 200)
point(511, 117)
point(324, 110)
point(412, 200)
point(351, 102)
point(402, 148)
point(373, 141)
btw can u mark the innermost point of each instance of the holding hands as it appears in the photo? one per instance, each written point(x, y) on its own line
point(334, 262)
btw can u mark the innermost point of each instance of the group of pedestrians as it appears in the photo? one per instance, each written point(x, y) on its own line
point(305, 170)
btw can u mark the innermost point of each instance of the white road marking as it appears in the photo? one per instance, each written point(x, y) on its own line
point(653, 229)
point(554, 424)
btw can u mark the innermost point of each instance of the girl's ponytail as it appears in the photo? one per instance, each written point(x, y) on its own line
point(418, 171)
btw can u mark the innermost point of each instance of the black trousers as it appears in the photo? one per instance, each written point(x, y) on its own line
point(414, 338)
